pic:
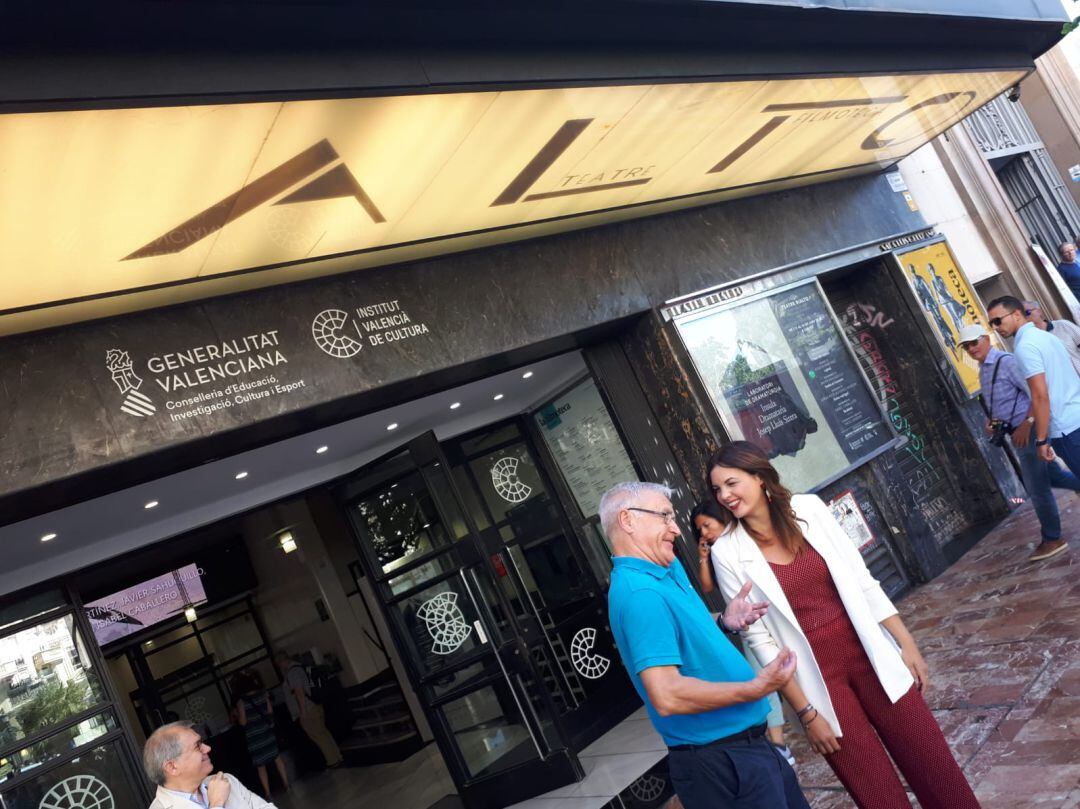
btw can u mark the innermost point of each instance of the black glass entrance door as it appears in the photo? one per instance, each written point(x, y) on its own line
point(545, 576)
point(466, 646)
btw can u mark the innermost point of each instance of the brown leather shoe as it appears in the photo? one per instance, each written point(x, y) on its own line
point(1048, 548)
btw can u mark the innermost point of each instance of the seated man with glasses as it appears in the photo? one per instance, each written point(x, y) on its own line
point(700, 693)
point(177, 760)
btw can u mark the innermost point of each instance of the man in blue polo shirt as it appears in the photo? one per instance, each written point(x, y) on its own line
point(700, 693)
point(1054, 384)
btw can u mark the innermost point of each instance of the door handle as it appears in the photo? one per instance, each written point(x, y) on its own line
point(502, 668)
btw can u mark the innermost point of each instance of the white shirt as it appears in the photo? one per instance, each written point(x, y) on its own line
point(1069, 334)
point(738, 559)
point(240, 797)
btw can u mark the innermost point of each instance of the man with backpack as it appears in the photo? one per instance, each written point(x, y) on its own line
point(297, 689)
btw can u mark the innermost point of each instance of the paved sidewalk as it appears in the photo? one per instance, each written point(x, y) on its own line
point(1002, 639)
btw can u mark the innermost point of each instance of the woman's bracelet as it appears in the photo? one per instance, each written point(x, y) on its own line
point(809, 721)
point(809, 707)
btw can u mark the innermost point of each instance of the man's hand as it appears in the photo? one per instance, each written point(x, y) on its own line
point(988, 428)
point(740, 613)
point(217, 790)
point(1046, 452)
point(777, 674)
point(1021, 435)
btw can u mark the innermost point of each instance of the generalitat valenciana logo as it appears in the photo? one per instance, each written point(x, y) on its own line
point(135, 403)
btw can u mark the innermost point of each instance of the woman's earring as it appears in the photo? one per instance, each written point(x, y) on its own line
point(768, 497)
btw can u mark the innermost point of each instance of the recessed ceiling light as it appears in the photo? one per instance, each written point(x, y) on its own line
point(455, 405)
point(392, 426)
point(48, 537)
point(151, 504)
point(526, 375)
point(241, 475)
point(321, 449)
point(497, 396)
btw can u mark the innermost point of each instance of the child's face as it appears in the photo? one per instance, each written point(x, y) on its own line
point(708, 528)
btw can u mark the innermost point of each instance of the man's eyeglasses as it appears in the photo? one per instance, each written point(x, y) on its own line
point(667, 516)
point(996, 321)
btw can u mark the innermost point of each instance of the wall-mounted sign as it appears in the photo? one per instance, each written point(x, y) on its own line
point(578, 430)
point(135, 608)
point(190, 201)
point(845, 509)
point(949, 303)
point(782, 377)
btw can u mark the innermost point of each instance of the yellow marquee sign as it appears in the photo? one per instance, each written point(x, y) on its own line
point(103, 203)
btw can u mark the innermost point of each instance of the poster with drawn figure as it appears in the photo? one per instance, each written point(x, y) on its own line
point(846, 510)
point(949, 303)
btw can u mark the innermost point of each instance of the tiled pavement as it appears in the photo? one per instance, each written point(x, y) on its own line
point(1002, 639)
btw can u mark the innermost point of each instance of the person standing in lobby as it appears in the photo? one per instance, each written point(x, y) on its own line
point(296, 687)
point(1054, 384)
point(1005, 395)
point(858, 690)
point(700, 693)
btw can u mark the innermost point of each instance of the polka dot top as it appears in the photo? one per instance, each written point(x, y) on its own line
point(810, 590)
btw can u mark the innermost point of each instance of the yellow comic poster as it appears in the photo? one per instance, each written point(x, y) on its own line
point(949, 303)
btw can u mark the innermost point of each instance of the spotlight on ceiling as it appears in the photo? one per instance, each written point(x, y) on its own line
point(151, 504)
point(48, 537)
point(241, 475)
point(497, 396)
point(321, 449)
point(392, 426)
point(526, 375)
point(455, 405)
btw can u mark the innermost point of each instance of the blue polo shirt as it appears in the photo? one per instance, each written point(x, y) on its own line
point(658, 620)
point(1039, 352)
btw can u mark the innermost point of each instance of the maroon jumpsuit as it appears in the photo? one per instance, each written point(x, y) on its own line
point(907, 728)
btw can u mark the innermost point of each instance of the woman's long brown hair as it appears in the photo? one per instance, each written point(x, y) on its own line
point(747, 457)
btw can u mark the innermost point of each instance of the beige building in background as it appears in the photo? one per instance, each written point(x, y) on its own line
point(1001, 180)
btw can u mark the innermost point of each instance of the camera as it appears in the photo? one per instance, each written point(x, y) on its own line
point(998, 430)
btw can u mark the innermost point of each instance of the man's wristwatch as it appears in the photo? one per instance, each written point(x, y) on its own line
point(1030, 420)
point(1041, 442)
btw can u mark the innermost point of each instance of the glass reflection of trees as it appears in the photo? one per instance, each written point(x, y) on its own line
point(400, 522)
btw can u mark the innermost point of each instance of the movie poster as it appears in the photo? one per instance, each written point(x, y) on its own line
point(782, 377)
point(948, 302)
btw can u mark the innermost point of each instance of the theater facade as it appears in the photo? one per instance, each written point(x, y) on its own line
point(406, 289)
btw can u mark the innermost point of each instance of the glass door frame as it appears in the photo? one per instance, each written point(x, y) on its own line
point(555, 763)
point(109, 705)
point(618, 703)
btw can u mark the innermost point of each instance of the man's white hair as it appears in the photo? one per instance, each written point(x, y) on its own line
point(163, 745)
point(624, 495)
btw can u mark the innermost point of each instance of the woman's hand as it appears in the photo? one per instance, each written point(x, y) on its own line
point(703, 549)
point(820, 735)
point(913, 659)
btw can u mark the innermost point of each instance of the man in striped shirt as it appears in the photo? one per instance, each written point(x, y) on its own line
point(1007, 398)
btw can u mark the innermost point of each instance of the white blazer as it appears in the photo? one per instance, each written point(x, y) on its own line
point(737, 559)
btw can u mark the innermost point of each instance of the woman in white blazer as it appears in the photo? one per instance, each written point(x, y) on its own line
point(857, 688)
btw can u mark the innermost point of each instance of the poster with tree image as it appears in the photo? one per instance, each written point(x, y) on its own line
point(782, 377)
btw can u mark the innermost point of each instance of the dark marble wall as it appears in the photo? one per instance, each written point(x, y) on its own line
point(62, 409)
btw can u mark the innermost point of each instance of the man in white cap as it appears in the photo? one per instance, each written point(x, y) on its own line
point(1008, 402)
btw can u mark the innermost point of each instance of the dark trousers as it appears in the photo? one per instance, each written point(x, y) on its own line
point(744, 774)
